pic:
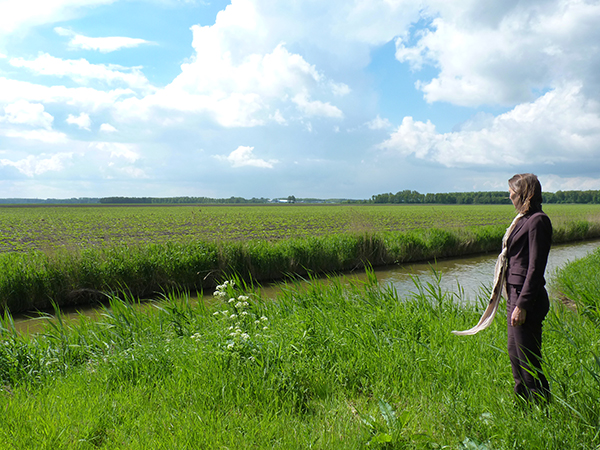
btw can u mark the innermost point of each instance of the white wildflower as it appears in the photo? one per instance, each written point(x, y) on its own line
point(263, 318)
point(233, 316)
point(245, 336)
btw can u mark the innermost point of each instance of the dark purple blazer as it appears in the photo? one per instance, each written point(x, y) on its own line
point(528, 249)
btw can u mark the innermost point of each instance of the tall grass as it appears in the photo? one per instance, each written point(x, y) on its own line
point(578, 283)
point(35, 280)
point(322, 366)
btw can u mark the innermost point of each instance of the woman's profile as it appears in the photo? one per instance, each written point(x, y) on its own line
point(521, 266)
point(528, 247)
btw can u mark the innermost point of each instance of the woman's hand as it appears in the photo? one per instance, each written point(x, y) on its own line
point(518, 317)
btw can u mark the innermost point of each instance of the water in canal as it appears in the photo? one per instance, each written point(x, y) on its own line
point(469, 274)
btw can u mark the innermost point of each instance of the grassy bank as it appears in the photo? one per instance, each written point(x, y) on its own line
point(578, 284)
point(323, 367)
point(36, 279)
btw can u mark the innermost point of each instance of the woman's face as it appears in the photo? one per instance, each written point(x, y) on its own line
point(514, 198)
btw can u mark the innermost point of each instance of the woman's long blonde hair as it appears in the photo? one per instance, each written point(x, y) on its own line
point(528, 190)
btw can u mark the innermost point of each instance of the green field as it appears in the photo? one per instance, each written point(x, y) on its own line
point(47, 228)
point(74, 255)
point(322, 366)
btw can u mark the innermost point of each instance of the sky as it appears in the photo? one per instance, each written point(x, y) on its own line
point(311, 98)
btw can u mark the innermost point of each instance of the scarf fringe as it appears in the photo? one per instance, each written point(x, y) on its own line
point(499, 275)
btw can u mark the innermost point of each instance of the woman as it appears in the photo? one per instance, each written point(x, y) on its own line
point(528, 246)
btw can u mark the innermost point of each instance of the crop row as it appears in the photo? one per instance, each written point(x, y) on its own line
point(36, 279)
point(49, 229)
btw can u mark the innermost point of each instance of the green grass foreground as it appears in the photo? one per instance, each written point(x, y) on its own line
point(325, 366)
point(37, 279)
point(578, 284)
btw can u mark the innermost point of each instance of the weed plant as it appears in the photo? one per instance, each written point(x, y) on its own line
point(323, 366)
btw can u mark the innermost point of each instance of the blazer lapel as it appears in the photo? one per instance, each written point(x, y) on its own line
point(518, 227)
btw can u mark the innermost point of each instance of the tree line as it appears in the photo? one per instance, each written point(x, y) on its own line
point(488, 198)
point(405, 196)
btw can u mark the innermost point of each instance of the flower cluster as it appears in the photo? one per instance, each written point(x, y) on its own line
point(223, 288)
point(196, 336)
point(244, 329)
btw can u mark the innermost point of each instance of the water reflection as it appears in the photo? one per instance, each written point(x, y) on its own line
point(473, 273)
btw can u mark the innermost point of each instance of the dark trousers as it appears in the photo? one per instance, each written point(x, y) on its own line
point(525, 348)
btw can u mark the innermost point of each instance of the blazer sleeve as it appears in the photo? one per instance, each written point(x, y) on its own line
point(540, 239)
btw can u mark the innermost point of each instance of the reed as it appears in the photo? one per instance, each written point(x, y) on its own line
point(578, 284)
point(328, 365)
point(35, 280)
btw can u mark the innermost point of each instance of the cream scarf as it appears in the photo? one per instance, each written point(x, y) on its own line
point(499, 275)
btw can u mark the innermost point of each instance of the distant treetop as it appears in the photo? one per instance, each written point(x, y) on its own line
point(406, 196)
point(496, 197)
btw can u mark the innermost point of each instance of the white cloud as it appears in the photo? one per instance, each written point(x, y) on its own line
point(316, 107)
point(134, 172)
point(23, 14)
point(244, 156)
point(82, 121)
point(553, 183)
point(83, 72)
point(342, 30)
point(82, 97)
point(240, 88)
point(228, 110)
point(24, 112)
point(277, 117)
point(301, 64)
point(378, 123)
point(47, 136)
point(101, 44)
point(505, 52)
point(339, 89)
point(562, 127)
point(107, 128)
point(37, 165)
point(129, 152)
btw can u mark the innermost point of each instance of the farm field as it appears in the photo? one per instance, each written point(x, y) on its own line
point(46, 228)
point(324, 366)
point(76, 255)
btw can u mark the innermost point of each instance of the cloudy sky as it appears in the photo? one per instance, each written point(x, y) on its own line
point(312, 98)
